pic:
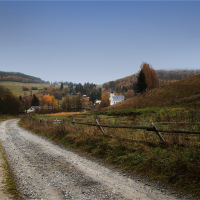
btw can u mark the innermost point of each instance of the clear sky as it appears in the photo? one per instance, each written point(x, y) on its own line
point(97, 41)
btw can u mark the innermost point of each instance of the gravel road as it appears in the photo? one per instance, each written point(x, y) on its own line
point(43, 170)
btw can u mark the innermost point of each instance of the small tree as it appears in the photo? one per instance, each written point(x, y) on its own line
point(79, 102)
point(61, 86)
point(35, 101)
point(141, 82)
point(20, 98)
point(104, 101)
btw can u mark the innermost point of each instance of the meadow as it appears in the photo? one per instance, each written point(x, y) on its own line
point(175, 162)
point(16, 87)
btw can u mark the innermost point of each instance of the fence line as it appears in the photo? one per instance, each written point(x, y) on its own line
point(147, 128)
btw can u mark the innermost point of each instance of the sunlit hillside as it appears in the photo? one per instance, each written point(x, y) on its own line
point(16, 87)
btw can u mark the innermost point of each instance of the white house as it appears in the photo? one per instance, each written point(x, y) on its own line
point(97, 102)
point(115, 98)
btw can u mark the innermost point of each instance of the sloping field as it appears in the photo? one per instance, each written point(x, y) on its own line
point(16, 87)
point(181, 93)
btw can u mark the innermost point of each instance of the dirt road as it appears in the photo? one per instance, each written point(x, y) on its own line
point(43, 170)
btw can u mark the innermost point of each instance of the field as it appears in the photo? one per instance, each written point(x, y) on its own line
point(175, 162)
point(16, 87)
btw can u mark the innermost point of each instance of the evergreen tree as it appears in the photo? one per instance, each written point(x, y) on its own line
point(61, 86)
point(35, 101)
point(141, 82)
point(20, 98)
point(92, 96)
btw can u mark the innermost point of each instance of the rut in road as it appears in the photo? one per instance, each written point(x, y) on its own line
point(43, 170)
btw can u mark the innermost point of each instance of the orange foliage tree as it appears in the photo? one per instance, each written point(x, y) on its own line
point(48, 100)
point(150, 74)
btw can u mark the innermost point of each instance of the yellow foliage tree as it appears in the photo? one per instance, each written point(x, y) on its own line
point(104, 101)
point(48, 100)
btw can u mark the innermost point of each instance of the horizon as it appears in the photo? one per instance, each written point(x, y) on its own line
point(97, 41)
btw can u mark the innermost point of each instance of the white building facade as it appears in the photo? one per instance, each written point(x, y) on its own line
point(115, 98)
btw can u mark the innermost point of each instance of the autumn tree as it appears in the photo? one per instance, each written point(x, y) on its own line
point(12, 104)
point(79, 102)
point(150, 75)
point(48, 100)
point(104, 101)
point(9, 103)
point(66, 104)
point(26, 102)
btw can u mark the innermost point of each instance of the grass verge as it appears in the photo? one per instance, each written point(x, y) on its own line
point(10, 187)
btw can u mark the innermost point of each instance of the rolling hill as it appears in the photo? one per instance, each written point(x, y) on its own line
point(182, 93)
point(165, 77)
point(19, 77)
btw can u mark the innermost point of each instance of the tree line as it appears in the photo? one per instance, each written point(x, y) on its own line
point(128, 85)
point(19, 77)
point(9, 103)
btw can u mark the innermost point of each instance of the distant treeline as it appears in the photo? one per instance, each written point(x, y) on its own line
point(19, 77)
point(123, 85)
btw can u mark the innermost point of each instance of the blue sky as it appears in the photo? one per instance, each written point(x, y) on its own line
point(97, 41)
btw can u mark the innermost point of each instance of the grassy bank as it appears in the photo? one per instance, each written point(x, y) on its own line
point(177, 162)
point(9, 184)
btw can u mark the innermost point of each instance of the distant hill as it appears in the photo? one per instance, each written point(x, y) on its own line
point(165, 77)
point(19, 77)
point(182, 93)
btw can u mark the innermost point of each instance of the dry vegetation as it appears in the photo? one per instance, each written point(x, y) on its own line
point(176, 162)
point(182, 93)
point(172, 107)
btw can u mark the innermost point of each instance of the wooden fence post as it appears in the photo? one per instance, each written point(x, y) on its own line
point(73, 121)
point(100, 126)
point(157, 132)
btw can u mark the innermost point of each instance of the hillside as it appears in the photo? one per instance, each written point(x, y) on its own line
point(185, 92)
point(16, 87)
point(165, 77)
point(19, 77)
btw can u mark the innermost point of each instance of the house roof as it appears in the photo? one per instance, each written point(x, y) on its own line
point(118, 98)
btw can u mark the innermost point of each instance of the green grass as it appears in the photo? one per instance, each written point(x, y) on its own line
point(16, 87)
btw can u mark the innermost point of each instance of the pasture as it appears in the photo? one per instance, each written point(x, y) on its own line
point(16, 87)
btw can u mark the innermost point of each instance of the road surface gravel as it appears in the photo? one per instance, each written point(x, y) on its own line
point(44, 170)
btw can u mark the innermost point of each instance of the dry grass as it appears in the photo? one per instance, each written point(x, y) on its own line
point(181, 93)
point(176, 163)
